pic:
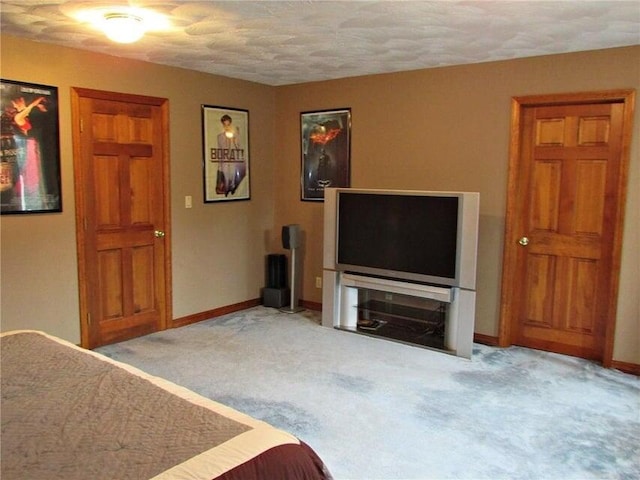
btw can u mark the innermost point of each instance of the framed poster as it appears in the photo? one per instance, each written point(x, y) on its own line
point(29, 149)
point(326, 150)
point(225, 134)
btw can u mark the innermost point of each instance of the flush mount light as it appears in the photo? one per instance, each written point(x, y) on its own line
point(124, 25)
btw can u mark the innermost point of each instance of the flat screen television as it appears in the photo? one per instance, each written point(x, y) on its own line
point(419, 236)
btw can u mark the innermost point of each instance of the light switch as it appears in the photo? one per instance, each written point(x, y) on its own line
point(188, 201)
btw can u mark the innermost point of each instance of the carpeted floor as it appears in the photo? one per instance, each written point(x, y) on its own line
point(375, 409)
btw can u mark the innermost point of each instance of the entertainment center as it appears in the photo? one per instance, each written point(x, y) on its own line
point(401, 265)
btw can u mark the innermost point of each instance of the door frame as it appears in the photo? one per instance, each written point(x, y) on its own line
point(518, 104)
point(77, 94)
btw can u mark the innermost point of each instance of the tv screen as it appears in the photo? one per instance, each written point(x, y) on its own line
point(396, 234)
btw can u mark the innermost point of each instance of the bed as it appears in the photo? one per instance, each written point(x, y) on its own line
point(69, 413)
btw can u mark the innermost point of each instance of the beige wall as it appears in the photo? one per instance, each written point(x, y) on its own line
point(218, 249)
point(437, 129)
point(448, 129)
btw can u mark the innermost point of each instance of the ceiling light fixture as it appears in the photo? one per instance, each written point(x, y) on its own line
point(122, 24)
point(123, 27)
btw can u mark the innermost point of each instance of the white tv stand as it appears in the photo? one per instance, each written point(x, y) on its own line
point(341, 306)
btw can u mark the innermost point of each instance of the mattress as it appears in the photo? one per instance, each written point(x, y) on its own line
point(69, 413)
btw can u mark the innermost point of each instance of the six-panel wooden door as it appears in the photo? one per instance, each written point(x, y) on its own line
point(121, 188)
point(563, 243)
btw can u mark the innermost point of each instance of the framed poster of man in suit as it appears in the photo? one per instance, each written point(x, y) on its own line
point(225, 133)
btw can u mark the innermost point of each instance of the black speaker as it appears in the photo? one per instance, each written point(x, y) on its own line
point(291, 236)
point(275, 297)
point(276, 271)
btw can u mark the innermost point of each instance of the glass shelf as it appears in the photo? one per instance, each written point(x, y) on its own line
point(405, 312)
point(422, 324)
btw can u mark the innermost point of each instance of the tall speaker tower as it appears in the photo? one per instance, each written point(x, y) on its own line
point(291, 241)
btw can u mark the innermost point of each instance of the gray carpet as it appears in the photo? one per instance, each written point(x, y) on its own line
point(375, 409)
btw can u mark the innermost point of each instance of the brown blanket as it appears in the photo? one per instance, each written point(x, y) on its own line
point(72, 414)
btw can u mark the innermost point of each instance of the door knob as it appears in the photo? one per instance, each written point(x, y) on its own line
point(524, 241)
point(159, 233)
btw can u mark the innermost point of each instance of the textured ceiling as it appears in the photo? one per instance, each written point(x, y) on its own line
point(286, 42)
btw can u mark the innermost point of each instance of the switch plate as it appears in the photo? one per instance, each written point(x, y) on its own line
point(318, 282)
point(188, 201)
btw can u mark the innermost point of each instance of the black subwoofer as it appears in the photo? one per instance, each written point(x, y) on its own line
point(276, 271)
point(276, 294)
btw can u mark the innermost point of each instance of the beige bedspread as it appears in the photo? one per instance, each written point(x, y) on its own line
point(68, 413)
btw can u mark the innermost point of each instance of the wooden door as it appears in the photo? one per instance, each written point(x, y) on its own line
point(564, 223)
point(121, 184)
